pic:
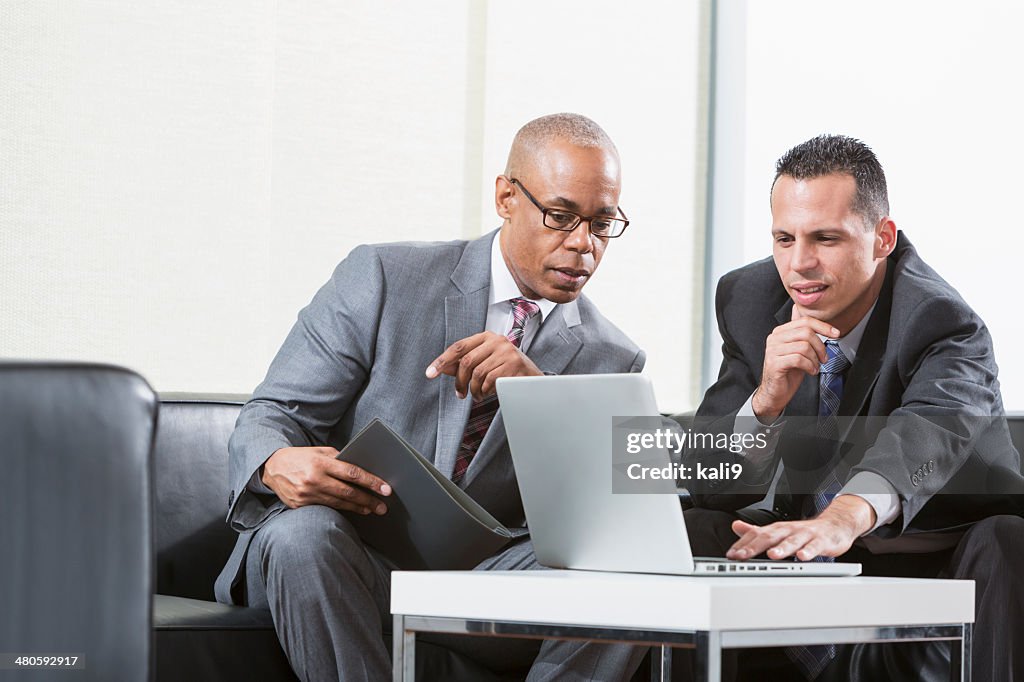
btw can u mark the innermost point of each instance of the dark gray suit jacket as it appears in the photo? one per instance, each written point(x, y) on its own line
point(359, 351)
point(923, 387)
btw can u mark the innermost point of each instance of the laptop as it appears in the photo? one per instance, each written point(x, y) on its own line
point(560, 435)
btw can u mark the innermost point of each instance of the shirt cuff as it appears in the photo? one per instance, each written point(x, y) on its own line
point(879, 493)
point(758, 459)
point(256, 484)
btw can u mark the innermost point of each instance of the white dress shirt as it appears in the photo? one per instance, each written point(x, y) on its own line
point(503, 290)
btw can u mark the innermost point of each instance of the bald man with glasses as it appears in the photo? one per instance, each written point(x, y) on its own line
point(417, 334)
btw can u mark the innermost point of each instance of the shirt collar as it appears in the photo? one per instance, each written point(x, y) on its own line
point(504, 287)
point(851, 342)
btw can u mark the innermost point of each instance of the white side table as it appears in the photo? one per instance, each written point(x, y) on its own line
point(705, 613)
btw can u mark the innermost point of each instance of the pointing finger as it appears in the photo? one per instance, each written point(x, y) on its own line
point(448, 361)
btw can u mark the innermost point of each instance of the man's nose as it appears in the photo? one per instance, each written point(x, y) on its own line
point(579, 238)
point(803, 256)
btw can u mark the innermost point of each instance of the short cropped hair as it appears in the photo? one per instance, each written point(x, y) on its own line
point(575, 129)
point(829, 154)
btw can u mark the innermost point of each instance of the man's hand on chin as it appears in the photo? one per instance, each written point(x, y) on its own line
point(792, 351)
point(830, 534)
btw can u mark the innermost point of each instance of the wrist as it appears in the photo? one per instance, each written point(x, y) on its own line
point(530, 367)
point(765, 413)
point(264, 472)
point(854, 512)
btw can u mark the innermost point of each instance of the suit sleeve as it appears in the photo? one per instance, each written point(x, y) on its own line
point(950, 396)
point(717, 414)
point(319, 370)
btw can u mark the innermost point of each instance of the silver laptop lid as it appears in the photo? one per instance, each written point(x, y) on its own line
point(560, 435)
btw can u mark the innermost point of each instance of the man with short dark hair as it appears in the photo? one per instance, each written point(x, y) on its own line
point(844, 323)
point(416, 334)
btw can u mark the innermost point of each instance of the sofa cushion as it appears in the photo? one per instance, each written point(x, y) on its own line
point(204, 640)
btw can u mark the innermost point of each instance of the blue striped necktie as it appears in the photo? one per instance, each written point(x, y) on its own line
point(812, 659)
point(830, 392)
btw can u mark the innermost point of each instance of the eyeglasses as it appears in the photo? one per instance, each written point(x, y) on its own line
point(567, 221)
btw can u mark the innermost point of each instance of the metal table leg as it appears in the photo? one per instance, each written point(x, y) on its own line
point(661, 663)
point(965, 652)
point(403, 656)
point(708, 655)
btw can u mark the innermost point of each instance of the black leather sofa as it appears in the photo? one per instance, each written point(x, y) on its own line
point(195, 637)
point(75, 538)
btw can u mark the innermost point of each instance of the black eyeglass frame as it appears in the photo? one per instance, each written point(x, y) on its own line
point(579, 219)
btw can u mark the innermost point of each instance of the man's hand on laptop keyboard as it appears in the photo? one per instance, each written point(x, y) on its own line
point(830, 534)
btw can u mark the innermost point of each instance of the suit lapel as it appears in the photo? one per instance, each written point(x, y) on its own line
point(553, 348)
point(556, 344)
point(465, 314)
point(863, 374)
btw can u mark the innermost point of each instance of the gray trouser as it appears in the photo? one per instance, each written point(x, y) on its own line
point(330, 599)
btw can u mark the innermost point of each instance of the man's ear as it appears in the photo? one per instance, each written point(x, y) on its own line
point(503, 197)
point(885, 237)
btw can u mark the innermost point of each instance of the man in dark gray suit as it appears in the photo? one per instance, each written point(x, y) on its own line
point(416, 334)
point(873, 388)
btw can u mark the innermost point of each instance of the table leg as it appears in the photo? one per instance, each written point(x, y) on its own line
point(708, 655)
point(403, 652)
point(661, 663)
point(965, 652)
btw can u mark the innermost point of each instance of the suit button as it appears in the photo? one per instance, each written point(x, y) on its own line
point(931, 466)
point(915, 479)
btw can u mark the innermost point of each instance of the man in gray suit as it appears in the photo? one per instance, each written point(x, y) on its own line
point(874, 387)
point(416, 334)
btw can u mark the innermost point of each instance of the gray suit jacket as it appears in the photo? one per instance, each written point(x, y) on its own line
point(359, 351)
point(923, 390)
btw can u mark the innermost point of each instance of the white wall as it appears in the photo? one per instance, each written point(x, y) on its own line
point(634, 69)
point(934, 88)
point(179, 179)
point(176, 180)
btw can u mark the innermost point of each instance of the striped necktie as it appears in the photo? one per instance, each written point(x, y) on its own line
point(830, 394)
point(483, 411)
point(812, 659)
